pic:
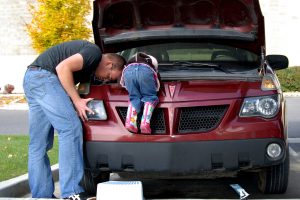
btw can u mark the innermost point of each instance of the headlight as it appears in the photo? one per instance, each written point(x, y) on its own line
point(98, 108)
point(265, 106)
point(269, 82)
point(274, 150)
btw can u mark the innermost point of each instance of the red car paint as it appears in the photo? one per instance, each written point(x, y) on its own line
point(211, 57)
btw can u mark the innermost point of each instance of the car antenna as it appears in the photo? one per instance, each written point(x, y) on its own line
point(263, 63)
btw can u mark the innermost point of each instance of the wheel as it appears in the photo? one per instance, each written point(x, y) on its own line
point(90, 180)
point(274, 179)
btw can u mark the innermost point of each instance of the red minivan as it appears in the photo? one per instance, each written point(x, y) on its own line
point(221, 107)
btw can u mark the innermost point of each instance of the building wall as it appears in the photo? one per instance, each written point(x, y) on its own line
point(13, 38)
point(282, 19)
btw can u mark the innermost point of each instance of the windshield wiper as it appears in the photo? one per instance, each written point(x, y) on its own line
point(187, 65)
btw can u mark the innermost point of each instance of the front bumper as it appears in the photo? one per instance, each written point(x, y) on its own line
point(181, 157)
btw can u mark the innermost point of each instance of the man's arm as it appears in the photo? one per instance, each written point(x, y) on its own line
point(65, 71)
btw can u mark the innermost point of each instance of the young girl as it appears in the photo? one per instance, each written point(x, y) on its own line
point(140, 78)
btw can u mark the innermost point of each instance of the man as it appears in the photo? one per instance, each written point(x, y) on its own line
point(49, 86)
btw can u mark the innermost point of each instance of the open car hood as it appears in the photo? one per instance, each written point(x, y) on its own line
point(121, 24)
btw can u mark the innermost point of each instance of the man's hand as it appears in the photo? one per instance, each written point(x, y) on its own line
point(81, 107)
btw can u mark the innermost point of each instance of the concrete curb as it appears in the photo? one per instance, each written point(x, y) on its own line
point(291, 94)
point(16, 106)
point(17, 187)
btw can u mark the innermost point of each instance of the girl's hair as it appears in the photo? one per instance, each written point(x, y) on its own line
point(142, 57)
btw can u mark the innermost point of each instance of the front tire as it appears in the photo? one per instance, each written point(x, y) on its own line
point(90, 180)
point(274, 179)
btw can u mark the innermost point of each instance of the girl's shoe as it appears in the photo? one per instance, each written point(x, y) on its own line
point(131, 117)
point(147, 114)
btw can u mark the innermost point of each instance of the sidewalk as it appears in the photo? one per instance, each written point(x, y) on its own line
point(13, 102)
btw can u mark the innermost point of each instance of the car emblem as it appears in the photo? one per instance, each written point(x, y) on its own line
point(172, 90)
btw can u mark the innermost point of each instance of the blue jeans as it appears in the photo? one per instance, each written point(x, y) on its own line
point(140, 84)
point(51, 108)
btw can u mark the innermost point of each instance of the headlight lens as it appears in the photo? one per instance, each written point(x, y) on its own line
point(274, 150)
point(98, 108)
point(265, 106)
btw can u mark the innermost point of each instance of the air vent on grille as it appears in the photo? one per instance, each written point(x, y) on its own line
point(200, 119)
point(157, 120)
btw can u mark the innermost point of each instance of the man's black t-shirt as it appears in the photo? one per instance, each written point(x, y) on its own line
point(90, 52)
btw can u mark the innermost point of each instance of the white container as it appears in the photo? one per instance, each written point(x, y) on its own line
point(120, 190)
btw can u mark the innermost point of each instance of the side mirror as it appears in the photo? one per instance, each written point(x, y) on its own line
point(278, 62)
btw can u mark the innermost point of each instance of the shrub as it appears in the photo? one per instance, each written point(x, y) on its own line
point(8, 88)
point(56, 21)
point(289, 79)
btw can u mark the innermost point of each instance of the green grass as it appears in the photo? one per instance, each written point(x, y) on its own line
point(14, 155)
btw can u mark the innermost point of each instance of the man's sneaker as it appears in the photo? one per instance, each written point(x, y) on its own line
point(80, 196)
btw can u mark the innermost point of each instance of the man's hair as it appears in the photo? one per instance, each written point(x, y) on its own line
point(118, 60)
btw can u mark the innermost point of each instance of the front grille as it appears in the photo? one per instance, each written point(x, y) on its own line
point(157, 122)
point(200, 119)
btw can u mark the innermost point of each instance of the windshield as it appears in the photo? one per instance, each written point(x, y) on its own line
point(209, 59)
point(204, 52)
